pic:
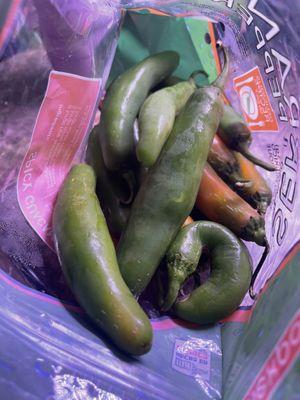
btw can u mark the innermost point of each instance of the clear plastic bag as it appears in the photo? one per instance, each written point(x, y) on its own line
point(85, 44)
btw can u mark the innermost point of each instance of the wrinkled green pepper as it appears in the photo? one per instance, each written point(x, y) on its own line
point(168, 192)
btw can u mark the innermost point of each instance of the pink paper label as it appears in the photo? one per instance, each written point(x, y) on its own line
point(59, 131)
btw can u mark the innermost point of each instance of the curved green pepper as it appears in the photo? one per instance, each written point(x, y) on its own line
point(236, 134)
point(156, 119)
point(230, 277)
point(123, 101)
point(89, 263)
point(168, 192)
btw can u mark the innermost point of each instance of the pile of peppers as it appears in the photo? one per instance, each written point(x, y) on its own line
point(163, 147)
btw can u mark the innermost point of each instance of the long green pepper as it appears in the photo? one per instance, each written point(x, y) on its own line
point(167, 194)
point(122, 103)
point(88, 259)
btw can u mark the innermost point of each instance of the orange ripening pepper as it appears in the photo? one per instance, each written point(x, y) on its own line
point(218, 202)
point(258, 194)
point(223, 161)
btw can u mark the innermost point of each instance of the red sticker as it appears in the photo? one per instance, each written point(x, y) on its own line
point(255, 101)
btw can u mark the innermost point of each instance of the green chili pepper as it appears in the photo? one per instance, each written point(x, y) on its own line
point(156, 119)
point(88, 260)
point(123, 101)
point(236, 134)
point(230, 277)
point(109, 187)
point(168, 192)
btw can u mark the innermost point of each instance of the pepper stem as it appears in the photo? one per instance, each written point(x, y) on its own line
point(243, 149)
point(257, 271)
point(222, 78)
point(179, 269)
